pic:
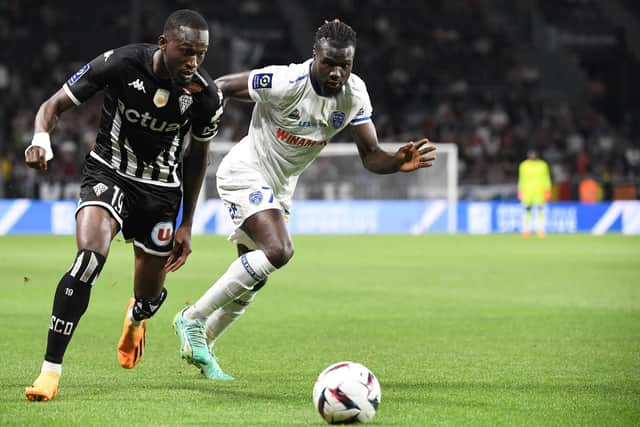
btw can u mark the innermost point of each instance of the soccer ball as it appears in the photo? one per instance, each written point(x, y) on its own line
point(346, 393)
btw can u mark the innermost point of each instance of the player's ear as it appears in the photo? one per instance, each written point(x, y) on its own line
point(162, 42)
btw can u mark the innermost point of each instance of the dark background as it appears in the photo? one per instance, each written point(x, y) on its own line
point(494, 77)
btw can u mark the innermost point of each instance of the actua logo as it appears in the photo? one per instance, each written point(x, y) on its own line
point(146, 120)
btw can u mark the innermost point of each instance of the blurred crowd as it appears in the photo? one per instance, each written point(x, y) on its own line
point(470, 72)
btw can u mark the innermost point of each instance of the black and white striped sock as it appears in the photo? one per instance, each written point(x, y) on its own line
point(71, 301)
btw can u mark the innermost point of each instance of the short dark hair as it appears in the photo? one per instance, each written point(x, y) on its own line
point(336, 32)
point(185, 18)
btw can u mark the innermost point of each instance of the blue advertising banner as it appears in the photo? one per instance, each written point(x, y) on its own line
point(24, 216)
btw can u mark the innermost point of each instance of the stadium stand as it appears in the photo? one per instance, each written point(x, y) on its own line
point(494, 77)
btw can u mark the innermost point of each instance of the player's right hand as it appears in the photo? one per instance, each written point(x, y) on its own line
point(181, 249)
point(34, 157)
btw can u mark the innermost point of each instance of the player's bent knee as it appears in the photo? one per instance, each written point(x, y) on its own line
point(279, 254)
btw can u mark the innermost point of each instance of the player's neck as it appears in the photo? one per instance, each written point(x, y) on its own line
point(316, 86)
point(159, 69)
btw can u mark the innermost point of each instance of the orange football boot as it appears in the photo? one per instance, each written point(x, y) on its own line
point(45, 387)
point(131, 344)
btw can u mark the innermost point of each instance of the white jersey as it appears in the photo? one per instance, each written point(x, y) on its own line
point(291, 123)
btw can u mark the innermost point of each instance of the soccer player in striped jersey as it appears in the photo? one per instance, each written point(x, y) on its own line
point(155, 96)
point(298, 109)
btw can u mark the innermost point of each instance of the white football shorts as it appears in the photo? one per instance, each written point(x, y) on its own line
point(244, 191)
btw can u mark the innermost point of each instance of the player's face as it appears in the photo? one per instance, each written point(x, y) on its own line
point(331, 67)
point(184, 50)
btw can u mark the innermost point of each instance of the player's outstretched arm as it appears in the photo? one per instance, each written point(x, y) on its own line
point(415, 155)
point(235, 85)
point(412, 156)
point(39, 152)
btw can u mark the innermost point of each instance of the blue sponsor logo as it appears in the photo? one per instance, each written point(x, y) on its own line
point(255, 197)
point(78, 74)
point(337, 119)
point(262, 80)
point(306, 124)
point(233, 210)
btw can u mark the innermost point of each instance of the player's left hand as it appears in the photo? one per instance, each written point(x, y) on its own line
point(415, 155)
point(181, 249)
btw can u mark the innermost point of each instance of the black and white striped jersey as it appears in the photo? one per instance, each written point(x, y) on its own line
point(145, 119)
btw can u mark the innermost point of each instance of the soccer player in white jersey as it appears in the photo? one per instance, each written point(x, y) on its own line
point(298, 109)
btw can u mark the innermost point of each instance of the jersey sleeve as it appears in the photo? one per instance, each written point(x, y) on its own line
point(363, 103)
point(269, 84)
point(94, 76)
point(209, 107)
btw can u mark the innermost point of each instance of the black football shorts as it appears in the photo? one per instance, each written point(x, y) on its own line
point(146, 213)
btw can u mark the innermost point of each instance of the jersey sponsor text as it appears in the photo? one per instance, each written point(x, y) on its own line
point(146, 120)
point(299, 141)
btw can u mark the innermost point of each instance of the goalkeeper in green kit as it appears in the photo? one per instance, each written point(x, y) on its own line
point(534, 190)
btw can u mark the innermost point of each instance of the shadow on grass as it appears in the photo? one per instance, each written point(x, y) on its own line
point(191, 387)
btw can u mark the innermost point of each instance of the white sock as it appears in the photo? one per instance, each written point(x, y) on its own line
point(241, 276)
point(134, 321)
point(51, 367)
point(223, 317)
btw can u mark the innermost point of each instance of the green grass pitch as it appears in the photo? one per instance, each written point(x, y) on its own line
point(460, 330)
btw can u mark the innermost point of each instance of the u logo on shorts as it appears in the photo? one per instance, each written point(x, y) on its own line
point(162, 234)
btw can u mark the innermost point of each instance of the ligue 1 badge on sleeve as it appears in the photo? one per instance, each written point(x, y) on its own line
point(337, 119)
point(262, 80)
point(161, 97)
point(78, 74)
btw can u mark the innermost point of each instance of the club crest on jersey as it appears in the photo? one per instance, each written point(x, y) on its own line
point(78, 74)
point(99, 188)
point(162, 234)
point(262, 80)
point(185, 102)
point(337, 119)
point(160, 98)
point(255, 197)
